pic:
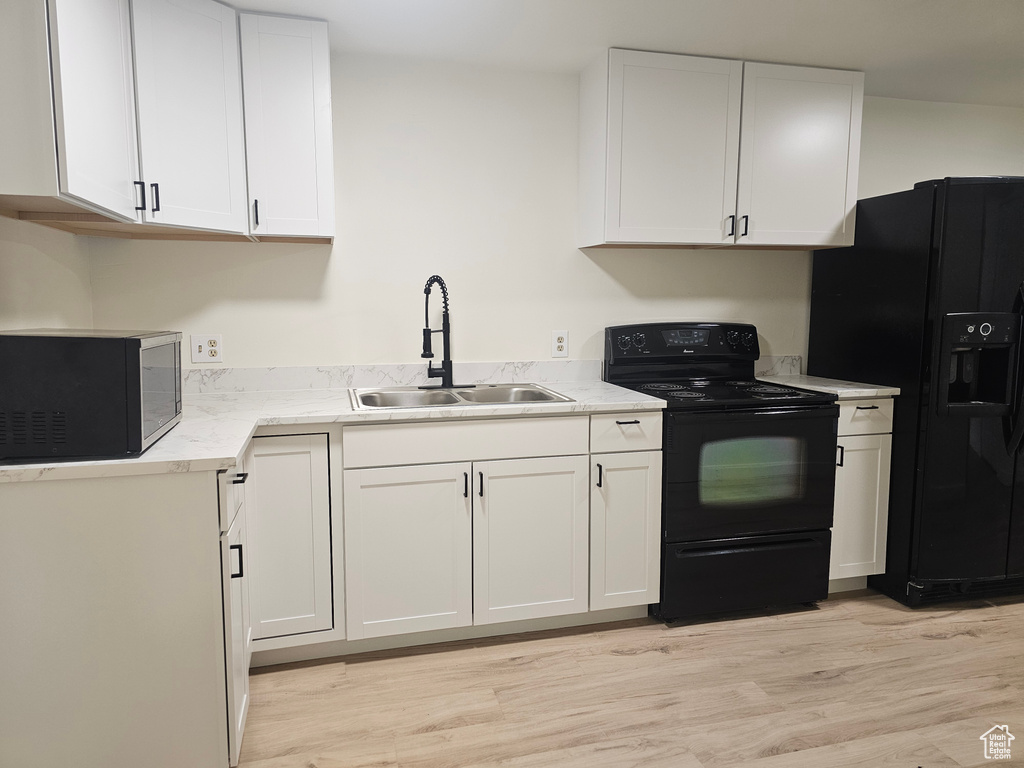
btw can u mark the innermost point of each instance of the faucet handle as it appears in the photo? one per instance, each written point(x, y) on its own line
point(427, 351)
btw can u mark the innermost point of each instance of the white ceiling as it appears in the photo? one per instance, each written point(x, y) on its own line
point(968, 51)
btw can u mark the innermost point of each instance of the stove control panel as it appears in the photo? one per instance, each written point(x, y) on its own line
point(665, 341)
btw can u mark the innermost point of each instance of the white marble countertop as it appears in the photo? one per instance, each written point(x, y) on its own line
point(215, 428)
point(845, 390)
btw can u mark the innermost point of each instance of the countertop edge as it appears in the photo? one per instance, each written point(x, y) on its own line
point(844, 390)
point(215, 429)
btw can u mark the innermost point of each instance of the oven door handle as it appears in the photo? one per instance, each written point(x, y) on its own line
point(711, 415)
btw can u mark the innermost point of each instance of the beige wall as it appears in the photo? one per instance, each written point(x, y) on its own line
point(903, 142)
point(469, 173)
point(44, 278)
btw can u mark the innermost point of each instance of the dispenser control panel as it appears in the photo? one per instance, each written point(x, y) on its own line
point(973, 329)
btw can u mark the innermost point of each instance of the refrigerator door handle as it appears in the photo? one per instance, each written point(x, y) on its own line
point(1015, 422)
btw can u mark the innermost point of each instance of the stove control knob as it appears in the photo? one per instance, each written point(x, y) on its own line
point(985, 329)
point(639, 339)
point(748, 340)
point(623, 343)
point(733, 337)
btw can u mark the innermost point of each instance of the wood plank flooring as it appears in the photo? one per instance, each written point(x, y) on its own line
point(857, 681)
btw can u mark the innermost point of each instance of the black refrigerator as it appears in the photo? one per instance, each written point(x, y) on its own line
point(930, 299)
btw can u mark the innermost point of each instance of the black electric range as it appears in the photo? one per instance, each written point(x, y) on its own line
point(696, 366)
point(749, 468)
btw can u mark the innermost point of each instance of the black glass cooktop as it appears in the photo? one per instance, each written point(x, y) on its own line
point(700, 393)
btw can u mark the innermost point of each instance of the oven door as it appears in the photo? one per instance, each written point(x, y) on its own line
point(747, 472)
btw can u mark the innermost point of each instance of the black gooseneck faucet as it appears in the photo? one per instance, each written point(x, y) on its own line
point(445, 371)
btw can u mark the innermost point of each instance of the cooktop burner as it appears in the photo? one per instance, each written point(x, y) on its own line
point(661, 387)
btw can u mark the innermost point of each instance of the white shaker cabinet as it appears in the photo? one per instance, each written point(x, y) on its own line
point(799, 155)
point(860, 518)
point(289, 146)
point(189, 96)
point(625, 509)
point(237, 624)
point(464, 522)
point(698, 151)
point(94, 104)
point(408, 549)
point(659, 142)
point(72, 149)
point(291, 588)
point(530, 532)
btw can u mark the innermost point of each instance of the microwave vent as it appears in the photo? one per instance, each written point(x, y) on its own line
point(35, 427)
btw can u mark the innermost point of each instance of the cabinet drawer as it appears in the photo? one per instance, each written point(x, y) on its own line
point(232, 493)
point(865, 417)
point(613, 432)
point(425, 443)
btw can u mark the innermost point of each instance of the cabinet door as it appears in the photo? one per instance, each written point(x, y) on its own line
point(408, 549)
point(290, 536)
point(236, 630)
point(94, 104)
point(799, 155)
point(288, 141)
point(190, 113)
point(862, 505)
point(529, 538)
point(625, 528)
point(673, 138)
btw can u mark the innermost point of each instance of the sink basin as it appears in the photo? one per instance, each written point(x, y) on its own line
point(487, 394)
point(405, 398)
point(510, 393)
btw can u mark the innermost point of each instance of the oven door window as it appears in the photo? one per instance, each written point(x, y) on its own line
point(747, 471)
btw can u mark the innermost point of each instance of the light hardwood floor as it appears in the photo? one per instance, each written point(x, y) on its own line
point(858, 681)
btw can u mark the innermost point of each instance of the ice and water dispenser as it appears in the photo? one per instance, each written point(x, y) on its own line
point(978, 359)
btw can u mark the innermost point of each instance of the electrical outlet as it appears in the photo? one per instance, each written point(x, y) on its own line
point(207, 348)
point(559, 343)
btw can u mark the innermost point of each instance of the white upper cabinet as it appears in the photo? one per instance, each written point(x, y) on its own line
point(799, 155)
point(696, 151)
point(289, 146)
point(94, 104)
point(190, 114)
point(671, 138)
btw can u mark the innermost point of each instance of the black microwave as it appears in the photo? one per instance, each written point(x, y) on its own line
point(69, 393)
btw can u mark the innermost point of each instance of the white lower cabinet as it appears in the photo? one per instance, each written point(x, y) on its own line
point(237, 631)
point(860, 517)
point(496, 530)
point(530, 538)
point(291, 587)
point(625, 523)
point(438, 546)
point(408, 549)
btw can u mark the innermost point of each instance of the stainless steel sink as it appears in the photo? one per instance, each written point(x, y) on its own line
point(405, 398)
point(510, 393)
point(486, 394)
